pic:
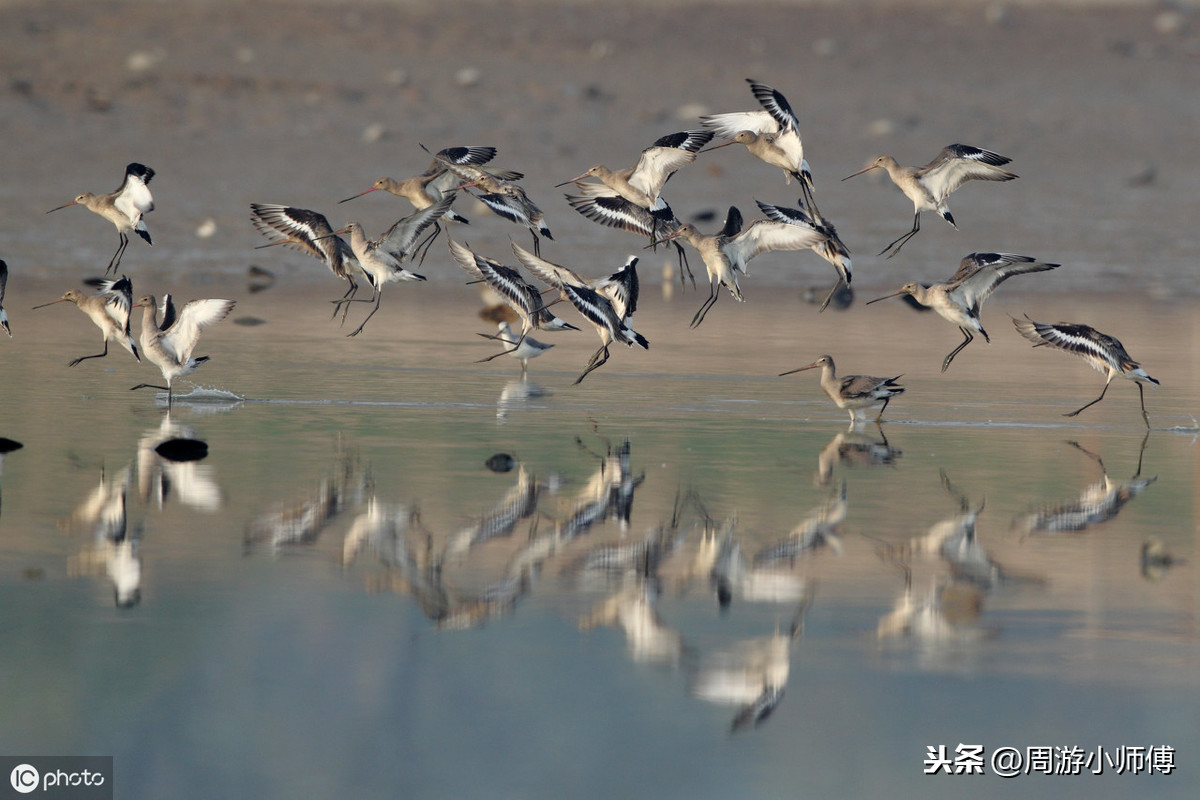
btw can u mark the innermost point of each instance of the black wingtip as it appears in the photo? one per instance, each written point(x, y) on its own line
point(140, 171)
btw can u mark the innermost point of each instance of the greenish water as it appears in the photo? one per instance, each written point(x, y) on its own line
point(303, 654)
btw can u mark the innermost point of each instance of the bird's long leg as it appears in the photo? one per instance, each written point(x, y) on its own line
point(968, 337)
point(713, 294)
point(684, 266)
point(350, 298)
point(828, 297)
point(515, 346)
point(150, 386)
point(116, 259)
point(1145, 416)
point(904, 239)
point(423, 247)
point(342, 304)
point(595, 363)
point(806, 189)
point(1097, 400)
point(358, 330)
point(75, 361)
point(886, 400)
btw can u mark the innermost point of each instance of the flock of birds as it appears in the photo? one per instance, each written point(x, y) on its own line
point(629, 199)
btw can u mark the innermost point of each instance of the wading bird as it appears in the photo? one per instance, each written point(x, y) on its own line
point(930, 185)
point(1105, 353)
point(607, 307)
point(630, 198)
point(520, 347)
point(854, 393)
point(826, 242)
point(771, 135)
point(123, 208)
point(960, 298)
point(727, 253)
point(519, 294)
point(382, 259)
point(170, 346)
point(309, 232)
point(642, 183)
point(110, 311)
point(436, 181)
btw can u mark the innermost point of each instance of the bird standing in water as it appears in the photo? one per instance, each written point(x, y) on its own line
point(169, 346)
point(854, 393)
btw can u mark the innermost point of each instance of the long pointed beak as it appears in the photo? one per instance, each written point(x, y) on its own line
point(813, 365)
point(272, 244)
point(52, 302)
point(670, 237)
point(573, 180)
point(718, 146)
point(327, 235)
point(60, 208)
point(360, 194)
point(861, 171)
point(885, 297)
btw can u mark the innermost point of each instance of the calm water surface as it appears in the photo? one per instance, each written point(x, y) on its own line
point(666, 595)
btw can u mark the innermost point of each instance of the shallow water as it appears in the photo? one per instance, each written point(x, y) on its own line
point(557, 651)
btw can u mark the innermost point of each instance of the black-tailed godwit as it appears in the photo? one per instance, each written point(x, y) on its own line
point(960, 298)
point(771, 135)
point(123, 208)
point(110, 311)
point(169, 345)
point(603, 308)
point(854, 393)
point(930, 185)
point(1105, 353)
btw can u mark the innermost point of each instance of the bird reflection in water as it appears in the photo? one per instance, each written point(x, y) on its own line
point(945, 620)
point(112, 551)
point(631, 608)
point(518, 394)
point(519, 503)
point(855, 448)
point(7, 446)
point(159, 477)
point(1099, 502)
point(751, 674)
point(821, 528)
point(733, 576)
point(301, 519)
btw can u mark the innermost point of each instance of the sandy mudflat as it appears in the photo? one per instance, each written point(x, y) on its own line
point(307, 103)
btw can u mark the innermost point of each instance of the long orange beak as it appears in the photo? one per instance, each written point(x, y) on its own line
point(360, 194)
point(861, 171)
point(813, 365)
point(52, 302)
point(65, 205)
